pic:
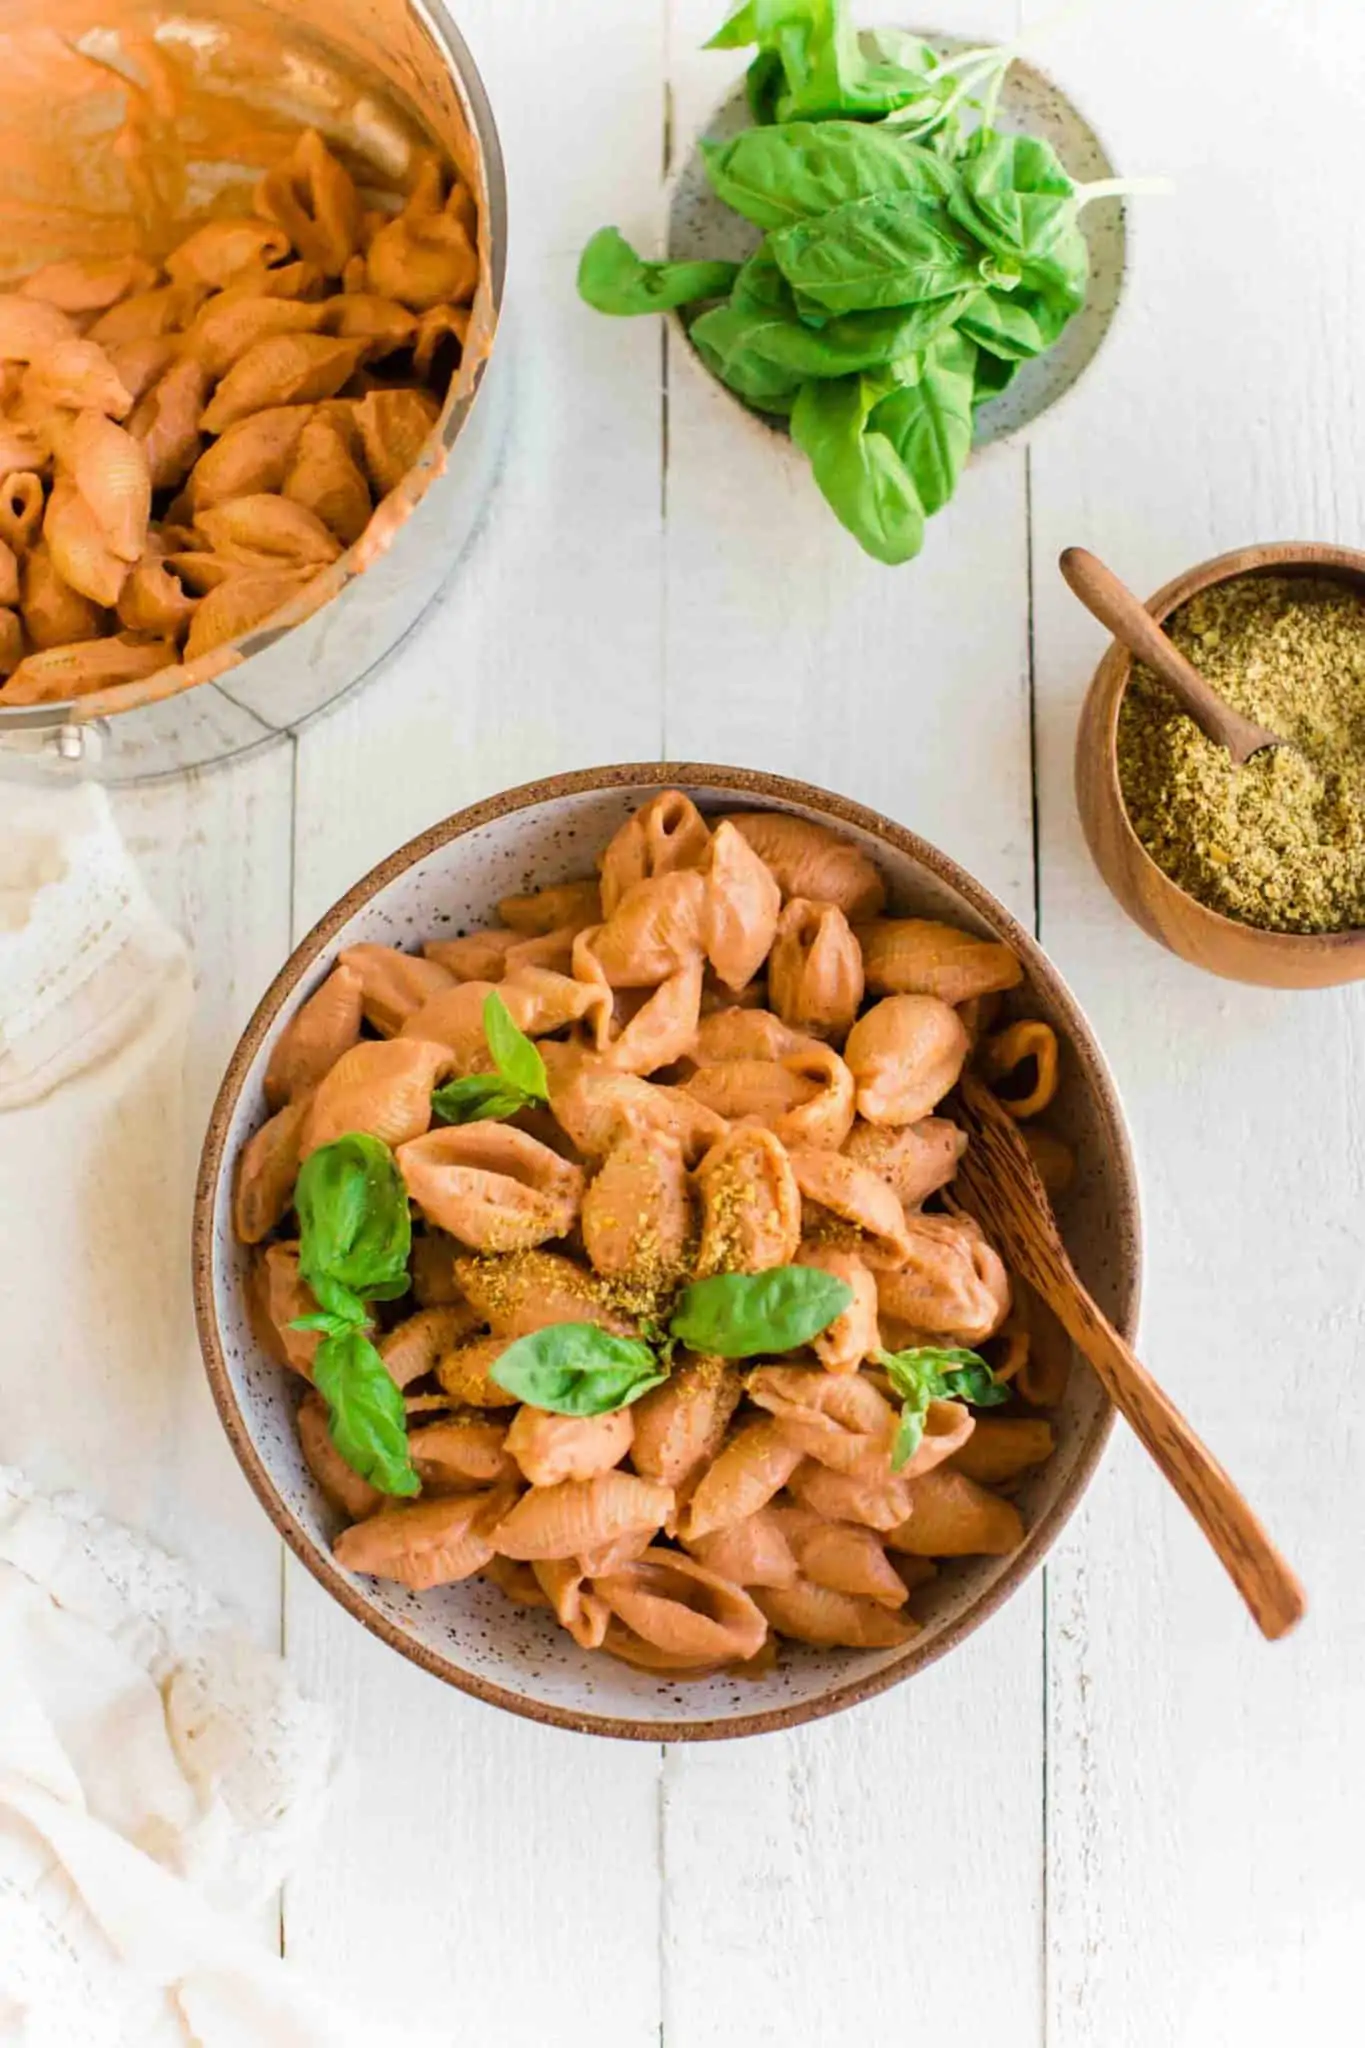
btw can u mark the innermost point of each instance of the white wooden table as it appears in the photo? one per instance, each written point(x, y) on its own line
point(1113, 1819)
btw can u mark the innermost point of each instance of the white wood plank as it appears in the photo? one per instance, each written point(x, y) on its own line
point(1205, 1796)
point(215, 850)
point(480, 1863)
point(815, 1882)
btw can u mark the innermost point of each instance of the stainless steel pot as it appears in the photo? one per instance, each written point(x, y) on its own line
point(287, 672)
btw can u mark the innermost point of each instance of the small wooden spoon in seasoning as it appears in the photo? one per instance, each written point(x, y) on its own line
point(1133, 626)
point(999, 1185)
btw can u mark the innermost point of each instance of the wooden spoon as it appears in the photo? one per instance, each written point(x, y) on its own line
point(1129, 620)
point(998, 1184)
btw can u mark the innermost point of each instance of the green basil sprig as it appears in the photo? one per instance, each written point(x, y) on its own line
point(928, 421)
point(365, 1413)
point(613, 279)
point(776, 176)
point(745, 1315)
point(860, 472)
point(578, 1369)
point(520, 1079)
point(930, 1373)
point(355, 1236)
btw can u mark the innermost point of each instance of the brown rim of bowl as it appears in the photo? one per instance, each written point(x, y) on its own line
point(773, 789)
point(1114, 673)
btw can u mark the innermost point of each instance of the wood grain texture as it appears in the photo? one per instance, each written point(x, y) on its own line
point(1201, 1873)
point(998, 1183)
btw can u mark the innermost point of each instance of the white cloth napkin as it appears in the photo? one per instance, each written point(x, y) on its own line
point(157, 1770)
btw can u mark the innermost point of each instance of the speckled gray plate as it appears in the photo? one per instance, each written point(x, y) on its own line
point(447, 882)
point(699, 224)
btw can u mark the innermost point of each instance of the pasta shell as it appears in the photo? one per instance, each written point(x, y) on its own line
point(491, 1186)
point(21, 449)
point(755, 1464)
point(110, 470)
point(55, 615)
point(266, 1173)
point(80, 551)
point(163, 311)
point(533, 1289)
point(563, 1520)
point(636, 1215)
point(393, 985)
point(228, 326)
point(478, 956)
point(1028, 1049)
point(219, 251)
point(735, 1034)
point(577, 1608)
point(22, 506)
point(812, 862)
point(75, 375)
point(663, 1028)
point(915, 956)
point(550, 910)
point(951, 1516)
point(464, 1373)
point(140, 364)
point(394, 429)
point(753, 1552)
point(251, 457)
point(425, 1543)
point(58, 673)
point(751, 1205)
point(840, 1420)
point(1001, 1447)
point(552, 1448)
point(239, 605)
point(166, 422)
point(30, 328)
point(841, 1190)
point(383, 1088)
point(424, 263)
point(1042, 1377)
point(432, 1267)
point(315, 201)
point(438, 325)
point(915, 1159)
point(905, 1055)
point(88, 284)
point(11, 640)
point(154, 600)
point(284, 369)
point(596, 1106)
point(344, 1488)
point(319, 1032)
point(741, 907)
point(655, 929)
point(664, 835)
point(853, 1335)
point(815, 1614)
point(680, 1426)
point(324, 479)
point(815, 973)
point(950, 1282)
point(382, 324)
point(881, 1504)
point(415, 1347)
point(676, 1605)
point(843, 1556)
point(285, 1296)
point(267, 531)
point(9, 575)
point(452, 1456)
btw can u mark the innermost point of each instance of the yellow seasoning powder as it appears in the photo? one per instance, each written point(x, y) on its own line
point(1279, 843)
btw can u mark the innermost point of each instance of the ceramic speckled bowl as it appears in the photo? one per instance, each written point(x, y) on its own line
point(700, 224)
point(448, 881)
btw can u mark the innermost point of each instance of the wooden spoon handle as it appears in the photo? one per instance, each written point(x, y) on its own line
point(1262, 1577)
point(1129, 620)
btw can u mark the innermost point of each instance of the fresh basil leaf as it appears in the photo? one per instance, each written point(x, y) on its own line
point(763, 83)
point(932, 1372)
point(365, 1412)
point(745, 1315)
point(929, 421)
point(860, 474)
point(975, 1383)
point(909, 1432)
point(577, 1369)
point(894, 249)
point(514, 1054)
point(355, 1230)
point(333, 1325)
point(476, 1097)
point(613, 279)
point(1008, 327)
point(1014, 196)
point(994, 374)
point(775, 176)
point(721, 338)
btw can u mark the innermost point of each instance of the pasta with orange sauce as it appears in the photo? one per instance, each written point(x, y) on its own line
point(590, 1170)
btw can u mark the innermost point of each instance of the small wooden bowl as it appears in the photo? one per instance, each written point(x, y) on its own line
point(1239, 952)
